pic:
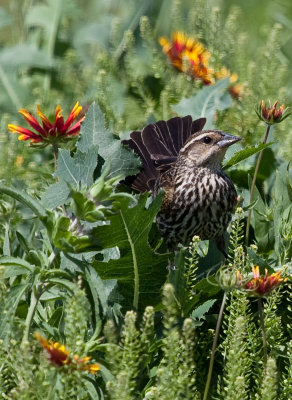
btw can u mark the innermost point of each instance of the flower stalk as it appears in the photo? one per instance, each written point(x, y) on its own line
point(253, 183)
point(214, 346)
point(271, 115)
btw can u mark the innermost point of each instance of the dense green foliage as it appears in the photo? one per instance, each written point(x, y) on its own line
point(81, 259)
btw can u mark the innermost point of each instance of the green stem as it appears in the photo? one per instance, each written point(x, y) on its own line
point(55, 151)
point(263, 328)
point(52, 386)
point(32, 307)
point(218, 325)
point(253, 183)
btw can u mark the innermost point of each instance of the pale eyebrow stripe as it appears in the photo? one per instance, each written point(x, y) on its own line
point(196, 139)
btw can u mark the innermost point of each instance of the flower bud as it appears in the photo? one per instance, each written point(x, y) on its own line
point(272, 114)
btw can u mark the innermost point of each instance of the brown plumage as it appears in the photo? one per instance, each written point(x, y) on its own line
point(185, 161)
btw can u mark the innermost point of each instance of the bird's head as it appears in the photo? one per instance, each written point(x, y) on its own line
point(206, 148)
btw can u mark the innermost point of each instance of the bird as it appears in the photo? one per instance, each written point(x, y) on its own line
point(184, 161)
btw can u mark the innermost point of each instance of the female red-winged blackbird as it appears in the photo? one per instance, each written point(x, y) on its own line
point(184, 160)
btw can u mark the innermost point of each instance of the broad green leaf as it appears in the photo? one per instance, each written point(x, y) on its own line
point(139, 270)
point(206, 102)
point(55, 195)
point(244, 154)
point(77, 169)
point(94, 133)
point(72, 171)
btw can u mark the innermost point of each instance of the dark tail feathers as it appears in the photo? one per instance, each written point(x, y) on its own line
point(158, 146)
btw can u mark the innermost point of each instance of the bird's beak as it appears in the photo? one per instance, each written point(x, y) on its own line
point(227, 140)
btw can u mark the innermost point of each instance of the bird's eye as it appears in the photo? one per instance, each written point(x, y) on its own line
point(207, 139)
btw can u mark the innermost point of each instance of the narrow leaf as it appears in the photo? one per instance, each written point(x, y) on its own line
point(24, 198)
point(244, 154)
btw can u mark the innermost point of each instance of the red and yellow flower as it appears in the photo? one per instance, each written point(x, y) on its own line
point(188, 55)
point(48, 132)
point(260, 285)
point(60, 356)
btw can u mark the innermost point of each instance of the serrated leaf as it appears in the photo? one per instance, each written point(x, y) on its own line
point(244, 154)
point(206, 102)
point(77, 169)
point(199, 313)
point(94, 133)
point(139, 270)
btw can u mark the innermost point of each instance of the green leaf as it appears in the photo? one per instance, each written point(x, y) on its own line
point(77, 169)
point(15, 266)
point(64, 283)
point(199, 313)
point(55, 195)
point(94, 133)
point(244, 154)
point(24, 198)
point(140, 271)
point(206, 102)
point(100, 290)
point(8, 308)
point(262, 222)
point(6, 244)
point(72, 171)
